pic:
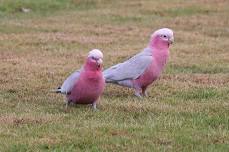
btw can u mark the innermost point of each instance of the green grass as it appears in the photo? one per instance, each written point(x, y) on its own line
point(43, 6)
point(187, 109)
point(208, 69)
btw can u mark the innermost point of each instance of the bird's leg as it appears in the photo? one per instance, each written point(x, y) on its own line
point(144, 92)
point(67, 105)
point(94, 105)
point(138, 92)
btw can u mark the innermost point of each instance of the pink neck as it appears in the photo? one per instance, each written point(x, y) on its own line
point(160, 50)
point(157, 43)
point(161, 57)
point(91, 66)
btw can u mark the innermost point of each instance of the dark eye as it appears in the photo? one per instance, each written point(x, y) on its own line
point(164, 36)
point(93, 58)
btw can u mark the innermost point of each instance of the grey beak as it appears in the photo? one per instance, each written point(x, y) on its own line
point(171, 40)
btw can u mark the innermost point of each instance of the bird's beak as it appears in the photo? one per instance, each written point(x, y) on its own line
point(171, 40)
point(99, 62)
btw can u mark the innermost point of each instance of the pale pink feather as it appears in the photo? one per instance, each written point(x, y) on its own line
point(89, 86)
point(160, 54)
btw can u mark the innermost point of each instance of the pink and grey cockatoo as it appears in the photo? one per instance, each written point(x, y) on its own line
point(84, 86)
point(142, 69)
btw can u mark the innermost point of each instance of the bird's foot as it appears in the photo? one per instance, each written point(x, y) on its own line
point(94, 106)
point(145, 94)
point(66, 106)
point(138, 94)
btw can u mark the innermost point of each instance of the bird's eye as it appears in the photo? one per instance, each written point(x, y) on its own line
point(164, 36)
point(93, 58)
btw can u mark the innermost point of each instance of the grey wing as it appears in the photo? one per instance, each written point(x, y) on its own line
point(130, 69)
point(69, 82)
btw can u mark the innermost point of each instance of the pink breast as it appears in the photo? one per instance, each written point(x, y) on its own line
point(87, 89)
point(150, 75)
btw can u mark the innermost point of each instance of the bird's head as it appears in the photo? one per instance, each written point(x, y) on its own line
point(162, 38)
point(94, 59)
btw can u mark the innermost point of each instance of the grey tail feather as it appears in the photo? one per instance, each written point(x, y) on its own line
point(108, 81)
point(58, 90)
point(111, 81)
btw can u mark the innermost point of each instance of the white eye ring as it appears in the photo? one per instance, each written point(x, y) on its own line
point(164, 36)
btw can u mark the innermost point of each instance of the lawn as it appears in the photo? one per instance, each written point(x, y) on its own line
point(188, 107)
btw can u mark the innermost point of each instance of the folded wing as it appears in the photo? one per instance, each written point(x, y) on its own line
point(130, 69)
point(69, 82)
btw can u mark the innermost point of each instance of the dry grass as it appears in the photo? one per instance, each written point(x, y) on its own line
point(188, 106)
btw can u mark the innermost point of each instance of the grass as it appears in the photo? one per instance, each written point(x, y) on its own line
point(188, 106)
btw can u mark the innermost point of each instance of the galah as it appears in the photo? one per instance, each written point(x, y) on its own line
point(145, 67)
point(85, 86)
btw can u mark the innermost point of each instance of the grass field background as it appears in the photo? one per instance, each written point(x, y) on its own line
point(188, 107)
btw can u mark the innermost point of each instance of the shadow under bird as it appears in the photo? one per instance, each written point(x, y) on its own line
point(85, 86)
point(145, 67)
